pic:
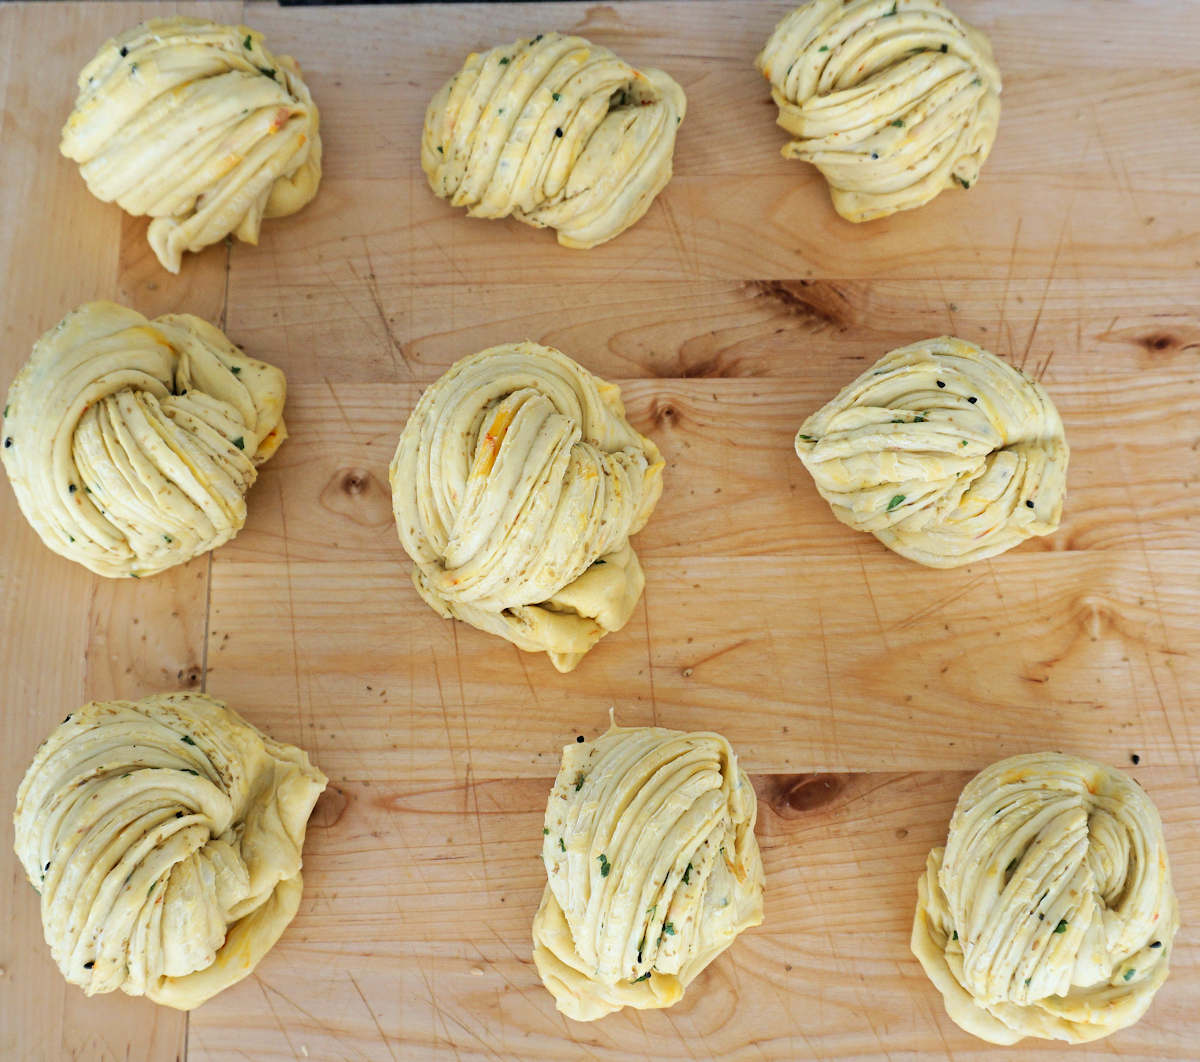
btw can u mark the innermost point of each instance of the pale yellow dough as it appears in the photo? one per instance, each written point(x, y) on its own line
point(516, 485)
point(199, 126)
point(652, 868)
point(131, 443)
point(556, 131)
point(942, 451)
point(892, 100)
point(164, 837)
point(1050, 911)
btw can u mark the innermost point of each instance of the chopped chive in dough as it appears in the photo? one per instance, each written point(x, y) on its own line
point(240, 443)
point(1128, 974)
point(899, 123)
point(669, 930)
point(6, 411)
point(1062, 926)
point(562, 844)
point(168, 538)
point(545, 831)
point(687, 875)
point(605, 865)
point(895, 8)
point(642, 978)
point(823, 48)
point(1012, 865)
point(964, 183)
point(247, 43)
point(1027, 980)
point(71, 537)
point(505, 61)
point(235, 369)
point(963, 443)
point(134, 575)
point(897, 500)
point(440, 151)
point(188, 770)
point(556, 96)
point(266, 72)
point(151, 889)
point(186, 739)
point(954, 935)
point(578, 781)
point(808, 438)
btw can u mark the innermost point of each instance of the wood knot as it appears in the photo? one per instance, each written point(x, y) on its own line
point(806, 792)
point(355, 480)
point(358, 495)
point(331, 806)
point(189, 678)
point(1159, 341)
point(663, 411)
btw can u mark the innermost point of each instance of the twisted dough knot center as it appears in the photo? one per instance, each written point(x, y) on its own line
point(198, 126)
point(1050, 911)
point(516, 485)
point(133, 443)
point(892, 101)
point(652, 868)
point(164, 837)
point(555, 131)
point(941, 450)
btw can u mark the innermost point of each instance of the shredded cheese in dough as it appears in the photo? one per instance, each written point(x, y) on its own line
point(131, 443)
point(892, 100)
point(1050, 911)
point(198, 126)
point(164, 836)
point(557, 132)
point(652, 868)
point(516, 485)
point(943, 452)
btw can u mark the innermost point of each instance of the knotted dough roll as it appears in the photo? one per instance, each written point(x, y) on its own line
point(164, 836)
point(556, 131)
point(892, 100)
point(652, 868)
point(200, 127)
point(516, 485)
point(945, 453)
point(131, 443)
point(1050, 911)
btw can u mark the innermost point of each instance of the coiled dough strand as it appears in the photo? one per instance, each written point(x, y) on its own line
point(516, 484)
point(943, 452)
point(556, 131)
point(165, 837)
point(892, 100)
point(198, 126)
point(652, 868)
point(131, 443)
point(1050, 911)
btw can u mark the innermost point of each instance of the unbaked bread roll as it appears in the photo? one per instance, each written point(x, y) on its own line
point(516, 485)
point(652, 868)
point(555, 131)
point(164, 837)
point(892, 100)
point(131, 443)
point(1050, 911)
point(200, 127)
point(945, 453)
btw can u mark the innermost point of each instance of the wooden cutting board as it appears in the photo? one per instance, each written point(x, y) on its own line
point(860, 690)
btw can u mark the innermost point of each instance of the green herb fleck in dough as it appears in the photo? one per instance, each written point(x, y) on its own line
point(1061, 927)
point(897, 500)
point(240, 442)
point(605, 865)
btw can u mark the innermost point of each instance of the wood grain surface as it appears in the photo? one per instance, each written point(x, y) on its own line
point(860, 690)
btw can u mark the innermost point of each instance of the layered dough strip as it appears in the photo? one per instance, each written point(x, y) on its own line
point(557, 132)
point(131, 443)
point(165, 837)
point(1050, 911)
point(892, 100)
point(652, 868)
point(516, 485)
point(942, 451)
point(199, 126)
